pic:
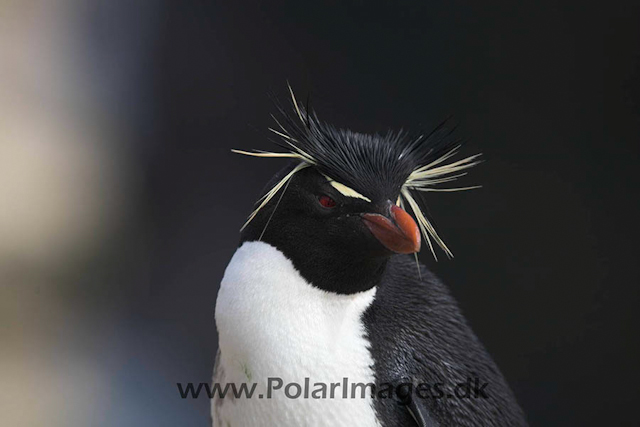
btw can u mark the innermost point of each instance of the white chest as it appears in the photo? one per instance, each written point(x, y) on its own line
point(273, 325)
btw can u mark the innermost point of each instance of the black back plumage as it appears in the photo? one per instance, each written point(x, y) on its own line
point(418, 335)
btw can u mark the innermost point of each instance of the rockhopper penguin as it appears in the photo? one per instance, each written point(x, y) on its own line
point(323, 310)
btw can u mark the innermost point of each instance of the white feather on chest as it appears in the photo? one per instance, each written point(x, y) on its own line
point(272, 323)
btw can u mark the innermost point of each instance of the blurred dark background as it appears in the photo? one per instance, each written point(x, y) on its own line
point(124, 207)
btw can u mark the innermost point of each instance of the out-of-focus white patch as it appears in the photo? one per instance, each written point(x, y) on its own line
point(61, 174)
point(62, 191)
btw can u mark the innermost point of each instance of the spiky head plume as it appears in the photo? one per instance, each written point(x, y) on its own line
point(369, 166)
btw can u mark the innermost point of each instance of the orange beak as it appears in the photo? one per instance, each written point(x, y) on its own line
point(399, 233)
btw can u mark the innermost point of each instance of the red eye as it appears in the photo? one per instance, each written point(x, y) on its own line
point(327, 202)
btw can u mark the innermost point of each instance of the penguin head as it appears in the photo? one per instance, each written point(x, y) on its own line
point(316, 214)
point(339, 210)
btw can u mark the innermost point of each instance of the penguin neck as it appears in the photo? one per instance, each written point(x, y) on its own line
point(336, 270)
point(341, 274)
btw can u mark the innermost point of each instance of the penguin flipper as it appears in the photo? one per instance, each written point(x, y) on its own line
point(420, 414)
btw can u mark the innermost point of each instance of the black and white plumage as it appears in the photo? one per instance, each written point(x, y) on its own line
point(323, 287)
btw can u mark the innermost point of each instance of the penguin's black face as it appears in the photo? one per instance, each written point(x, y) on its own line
point(333, 211)
point(337, 238)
